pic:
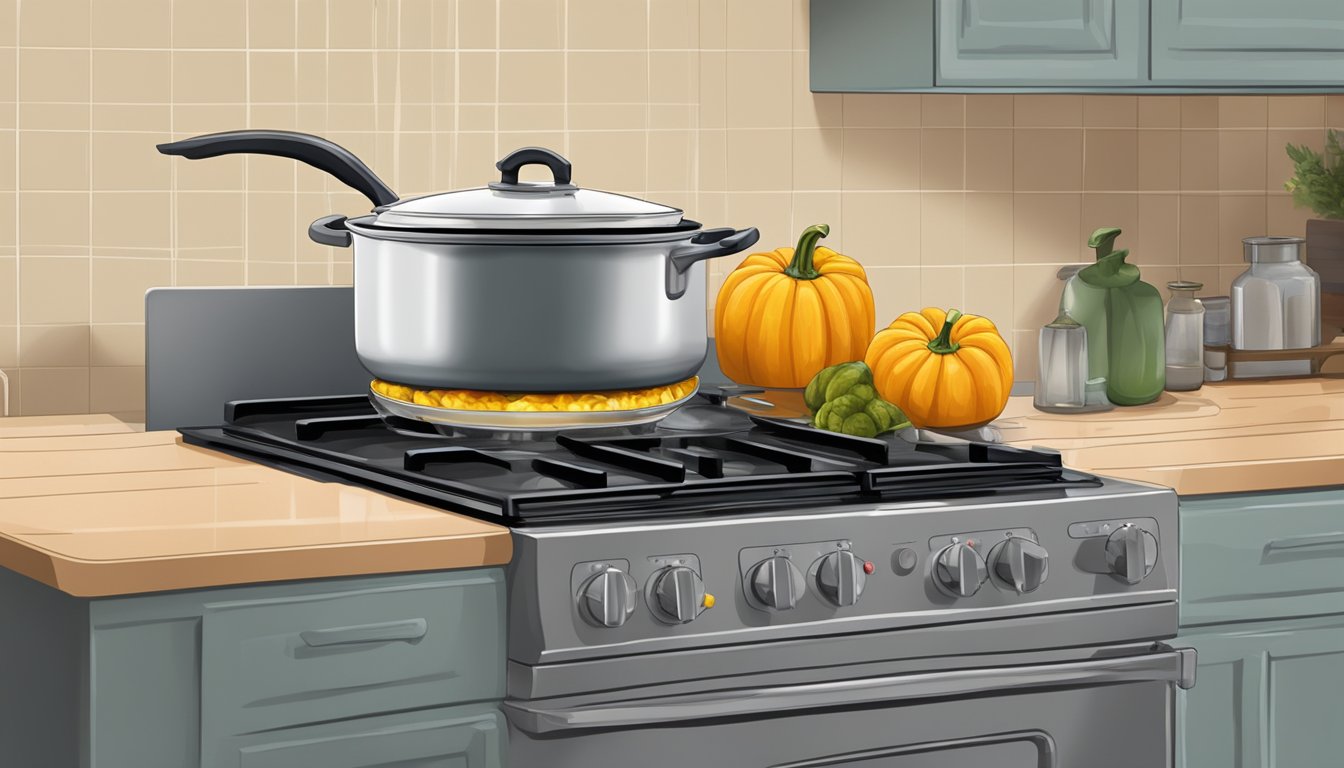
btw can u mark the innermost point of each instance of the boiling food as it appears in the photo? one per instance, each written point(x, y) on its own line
point(476, 400)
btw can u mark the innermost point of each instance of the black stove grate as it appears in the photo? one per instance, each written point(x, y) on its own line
point(752, 463)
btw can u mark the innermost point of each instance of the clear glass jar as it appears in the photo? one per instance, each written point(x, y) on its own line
point(1061, 378)
point(1185, 337)
point(1276, 303)
point(1217, 336)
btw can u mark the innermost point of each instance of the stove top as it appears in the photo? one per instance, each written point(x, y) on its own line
point(704, 459)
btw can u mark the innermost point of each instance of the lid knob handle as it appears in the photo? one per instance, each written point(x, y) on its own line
point(561, 170)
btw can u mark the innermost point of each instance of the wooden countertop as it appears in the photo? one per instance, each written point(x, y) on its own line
point(93, 508)
point(1229, 437)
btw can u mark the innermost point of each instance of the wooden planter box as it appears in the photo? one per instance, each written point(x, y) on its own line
point(1325, 254)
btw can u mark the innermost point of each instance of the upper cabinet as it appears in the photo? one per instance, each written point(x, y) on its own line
point(1138, 46)
point(1248, 42)
point(1042, 42)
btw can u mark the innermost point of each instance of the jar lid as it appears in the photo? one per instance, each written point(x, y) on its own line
point(1268, 250)
point(1184, 285)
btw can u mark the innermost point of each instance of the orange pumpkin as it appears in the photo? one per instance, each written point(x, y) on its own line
point(942, 369)
point(782, 316)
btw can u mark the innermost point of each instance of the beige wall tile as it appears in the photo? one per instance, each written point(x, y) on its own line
point(1334, 111)
point(942, 228)
point(768, 212)
point(131, 23)
point(53, 75)
point(53, 290)
point(1285, 219)
point(532, 77)
point(1199, 160)
point(127, 161)
point(810, 208)
point(37, 116)
point(1243, 111)
point(132, 117)
point(310, 26)
point(608, 117)
point(942, 110)
point(713, 89)
point(896, 290)
point(117, 389)
point(350, 23)
point(8, 234)
point(611, 160)
point(1279, 168)
point(600, 23)
point(209, 220)
point(272, 77)
point(882, 229)
point(989, 110)
point(1048, 111)
point(674, 78)
point(53, 391)
point(713, 24)
point(988, 228)
point(1159, 160)
point(757, 96)
point(132, 221)
point(881, 110)
point(1035, 296)
point(1159, 111)
point(117, 344)
point(881, 159)
point(9, 291)
point(9, 355)
point(1239, 216)
point(674, 24)
point(1110, 111)
point(270, 227)
point(942, 158)
point(1199, 230)
point(1241, 160)
point(1159, 229)
point(760, 24)
point(605, 77)
point(209, 77)
point(1026, 351)
point(1047, 159)
point(713, 167)
point(270, 273)
point(531, 24)
point(53, 223)
point(53, 345)
point(1045, 228)
point(119, 287)
point(57, 161)
point(1297, 111)
point(989, 293)
point(54, 23)
point(810, 109)
point(270, 24)
point(1199, 111)
point(351, 77)
point(989, 159)
point(204, 273)
point(942, 287)
point(209, 23)
point(1110, 159)
point(671, 160)
point(191, 119)
point(817, 158)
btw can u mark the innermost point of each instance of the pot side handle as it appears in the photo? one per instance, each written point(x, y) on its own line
point(709, 244)
point(306, 148)
point(330, 230)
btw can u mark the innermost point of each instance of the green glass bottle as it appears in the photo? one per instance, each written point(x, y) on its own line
point(1126, 339)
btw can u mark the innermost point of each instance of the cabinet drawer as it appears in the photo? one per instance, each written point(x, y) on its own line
point(1262, 556)
point(290, 660)
point(421, 740)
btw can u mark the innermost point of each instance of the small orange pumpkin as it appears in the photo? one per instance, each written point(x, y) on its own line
point(782, 316)
point(942, 369)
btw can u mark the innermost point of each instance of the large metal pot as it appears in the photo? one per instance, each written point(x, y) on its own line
point(518, 286)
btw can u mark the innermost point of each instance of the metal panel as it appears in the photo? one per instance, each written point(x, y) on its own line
point(871, 45)
point(206, 346)
point(1248, 42)
point(1042, 42)
point(1261, 556)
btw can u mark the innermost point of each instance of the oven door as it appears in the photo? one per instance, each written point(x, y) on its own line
point(1094, 713)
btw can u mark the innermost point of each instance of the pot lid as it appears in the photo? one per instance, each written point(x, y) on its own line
point(513, 204)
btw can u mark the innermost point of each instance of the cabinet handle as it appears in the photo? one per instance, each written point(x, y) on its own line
point(389, 631)
point(1335, 539)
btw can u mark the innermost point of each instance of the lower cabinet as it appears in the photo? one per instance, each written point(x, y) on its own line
point(452, 738)
point(1267, 695)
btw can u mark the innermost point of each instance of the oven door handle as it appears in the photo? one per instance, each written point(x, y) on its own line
point(1172, 666)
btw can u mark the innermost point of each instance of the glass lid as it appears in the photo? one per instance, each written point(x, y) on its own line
point(513, 204)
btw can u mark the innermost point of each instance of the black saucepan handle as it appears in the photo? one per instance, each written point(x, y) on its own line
point(306, 148)
point(709, 244)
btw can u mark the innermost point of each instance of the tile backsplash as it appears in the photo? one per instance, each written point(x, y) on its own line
point(966, 201)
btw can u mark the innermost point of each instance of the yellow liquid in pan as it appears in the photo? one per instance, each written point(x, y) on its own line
point(475, 400)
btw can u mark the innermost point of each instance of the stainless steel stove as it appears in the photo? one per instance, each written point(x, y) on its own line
point(727, 589)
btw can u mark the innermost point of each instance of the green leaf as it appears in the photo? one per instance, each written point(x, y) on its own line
point(1318, 179)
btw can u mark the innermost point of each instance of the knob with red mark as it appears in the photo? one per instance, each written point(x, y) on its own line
point(841, 577)
point(959, 570)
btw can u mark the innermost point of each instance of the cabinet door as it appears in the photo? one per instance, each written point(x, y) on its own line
point(1248, 42)
point(420, 740)
point(1042, 42)
point(1265, 696)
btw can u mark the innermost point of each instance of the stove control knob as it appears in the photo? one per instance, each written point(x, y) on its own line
point(679, 595)
point(608, 598)
point(777, 583)
point(959, 570)
point(1131, 553)
point(840, 578)
point(1020, 563)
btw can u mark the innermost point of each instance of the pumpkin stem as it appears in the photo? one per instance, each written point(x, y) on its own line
point(943, 345)
point(801, 267)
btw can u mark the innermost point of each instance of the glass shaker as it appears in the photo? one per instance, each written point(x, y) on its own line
point(1185, 337)
point(1217, 336)
point(1061, 381)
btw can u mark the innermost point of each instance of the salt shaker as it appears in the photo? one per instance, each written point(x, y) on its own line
point(1217, 336)
point(1062, 366)
point(1184, 337)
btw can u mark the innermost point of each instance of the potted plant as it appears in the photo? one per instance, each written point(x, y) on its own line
point(1318, 184)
